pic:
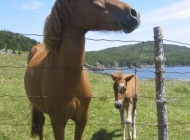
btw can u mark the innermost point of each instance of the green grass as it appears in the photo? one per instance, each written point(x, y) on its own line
point(104, 119)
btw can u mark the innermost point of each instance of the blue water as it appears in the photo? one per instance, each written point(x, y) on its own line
point(176, 73)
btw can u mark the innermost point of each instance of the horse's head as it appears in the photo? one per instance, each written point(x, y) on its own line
point(120, 87)
point(74, 18)
point(107, 15)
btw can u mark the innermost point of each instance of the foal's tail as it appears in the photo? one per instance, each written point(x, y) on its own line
point(37, 123)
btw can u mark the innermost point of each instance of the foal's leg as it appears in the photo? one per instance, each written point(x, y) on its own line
point(134, 126)
point(129, 120)
point(123, 125)
point(134, 117)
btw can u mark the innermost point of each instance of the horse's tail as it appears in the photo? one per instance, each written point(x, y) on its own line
point(35, 130)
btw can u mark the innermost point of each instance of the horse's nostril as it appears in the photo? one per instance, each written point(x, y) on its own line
point(133, 13)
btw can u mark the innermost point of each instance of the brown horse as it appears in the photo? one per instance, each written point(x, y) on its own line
point(126, 91)
point(56, 82)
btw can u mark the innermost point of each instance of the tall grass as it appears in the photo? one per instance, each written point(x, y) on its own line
point(104, 119)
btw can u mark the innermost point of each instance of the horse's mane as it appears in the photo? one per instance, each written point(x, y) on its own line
point(119, 76)
point(54, 24)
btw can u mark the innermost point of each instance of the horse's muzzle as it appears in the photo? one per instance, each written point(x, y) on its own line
point(131, 22)
point(118, 105)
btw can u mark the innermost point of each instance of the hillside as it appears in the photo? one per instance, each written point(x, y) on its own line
point(15, 41)
point(116, 57)
point(126, 56)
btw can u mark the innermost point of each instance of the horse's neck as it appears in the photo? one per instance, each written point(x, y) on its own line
point(71, 53)
point(74, 51)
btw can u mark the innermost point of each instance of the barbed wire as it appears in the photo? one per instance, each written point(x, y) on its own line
point(87, 38)
point(169, 99)
point(137, 41)
point(135, 69)
point(97, 124)
point(176, 42)
point(95, 97)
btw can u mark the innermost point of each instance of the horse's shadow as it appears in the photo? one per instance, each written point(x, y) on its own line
point(102, 134)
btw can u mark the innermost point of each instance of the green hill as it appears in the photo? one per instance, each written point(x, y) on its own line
point(123, 56)
point(127, 55)
point(15, 41)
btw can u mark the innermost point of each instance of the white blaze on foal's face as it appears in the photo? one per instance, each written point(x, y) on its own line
point(120, 95)
point(120, 87)
point(121, 91)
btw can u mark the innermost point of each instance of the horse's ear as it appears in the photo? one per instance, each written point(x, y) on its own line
point(128, 78)
point(113, 76)
point(99, 3)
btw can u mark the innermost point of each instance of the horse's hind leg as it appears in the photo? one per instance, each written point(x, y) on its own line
point(38, 120)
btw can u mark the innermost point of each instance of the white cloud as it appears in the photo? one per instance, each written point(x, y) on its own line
point(175, 11)
point(33, 5)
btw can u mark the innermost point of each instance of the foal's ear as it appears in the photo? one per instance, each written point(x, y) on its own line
point(113, 76)
point(128, 78)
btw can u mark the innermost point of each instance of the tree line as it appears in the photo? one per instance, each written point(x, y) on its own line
point(15, 41)
point(121, 56)
point(127, 55)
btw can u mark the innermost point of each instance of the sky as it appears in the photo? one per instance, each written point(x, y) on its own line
point(173, 16)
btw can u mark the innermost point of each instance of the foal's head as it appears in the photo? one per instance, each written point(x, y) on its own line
point(120, 87)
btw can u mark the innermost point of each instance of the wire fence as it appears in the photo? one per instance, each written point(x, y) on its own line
point(8, 95)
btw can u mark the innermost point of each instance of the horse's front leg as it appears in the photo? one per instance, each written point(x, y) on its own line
point(134, 126)
point(58, 128)
point(79, 129)
point(134, 117)
point(123, 124)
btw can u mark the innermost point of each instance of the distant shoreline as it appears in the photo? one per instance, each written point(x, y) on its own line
point(171, 73)
point(96, 68)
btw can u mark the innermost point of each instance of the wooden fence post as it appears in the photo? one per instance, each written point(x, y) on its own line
point(161, 101)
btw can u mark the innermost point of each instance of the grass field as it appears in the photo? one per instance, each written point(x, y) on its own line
point(104, 119)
